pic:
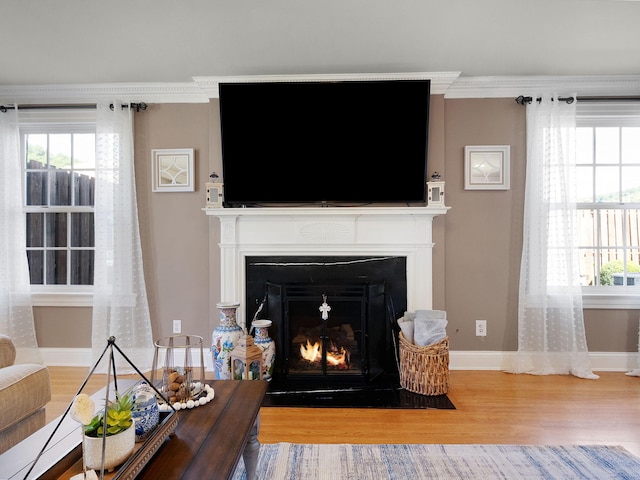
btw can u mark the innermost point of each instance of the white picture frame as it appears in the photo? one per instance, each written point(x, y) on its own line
point(487, 167)
point(172, 170)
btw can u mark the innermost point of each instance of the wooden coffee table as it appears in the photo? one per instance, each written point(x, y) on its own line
point(208, 440)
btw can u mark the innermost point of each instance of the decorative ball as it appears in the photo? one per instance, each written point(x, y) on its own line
point(82, 409)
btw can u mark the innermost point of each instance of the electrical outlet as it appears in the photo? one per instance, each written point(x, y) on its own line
point(177, 326)
point(481, 328)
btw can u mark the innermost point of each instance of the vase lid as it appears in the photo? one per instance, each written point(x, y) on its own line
point(261, 323)
point(227, 305)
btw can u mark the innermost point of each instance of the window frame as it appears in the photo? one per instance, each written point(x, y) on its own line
point(52, 121)
point(609, 114)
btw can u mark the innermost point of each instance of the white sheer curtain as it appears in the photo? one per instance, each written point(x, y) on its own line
point(16, 312)
point(551, 336)
point(120, 307)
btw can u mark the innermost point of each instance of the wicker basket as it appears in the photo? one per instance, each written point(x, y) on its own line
point(424, 370)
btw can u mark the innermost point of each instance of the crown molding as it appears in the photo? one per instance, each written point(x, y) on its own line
point(440, 81)
point(201, 89)
point(89, 93)
point(588, 85)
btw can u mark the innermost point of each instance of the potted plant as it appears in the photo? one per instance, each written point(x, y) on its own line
point(119, 435)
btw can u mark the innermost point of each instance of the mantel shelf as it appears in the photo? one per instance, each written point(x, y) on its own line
point(325, 211)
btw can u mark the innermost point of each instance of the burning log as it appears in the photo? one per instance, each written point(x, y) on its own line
point(336, 356)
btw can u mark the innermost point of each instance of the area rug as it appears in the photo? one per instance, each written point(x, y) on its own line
point(451, 462)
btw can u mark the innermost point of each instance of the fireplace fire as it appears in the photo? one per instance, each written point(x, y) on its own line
point(335, 352)
point(336, 357)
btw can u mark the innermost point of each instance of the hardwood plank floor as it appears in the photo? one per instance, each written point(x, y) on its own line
point(491, 407)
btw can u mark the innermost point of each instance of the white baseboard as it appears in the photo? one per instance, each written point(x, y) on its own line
point(66, 357)
point(81, 357)
point(497, 360)
point(458, 360)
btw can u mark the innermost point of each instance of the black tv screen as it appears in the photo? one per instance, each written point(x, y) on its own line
point(335, 143)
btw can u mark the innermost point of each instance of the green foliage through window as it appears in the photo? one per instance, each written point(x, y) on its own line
point(616, 266)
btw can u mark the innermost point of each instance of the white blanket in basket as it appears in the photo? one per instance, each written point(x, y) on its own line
point(424, 327)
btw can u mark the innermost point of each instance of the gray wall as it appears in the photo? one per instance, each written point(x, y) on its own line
point(477, 244)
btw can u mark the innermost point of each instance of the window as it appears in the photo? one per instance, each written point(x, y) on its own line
point(608, 172)
point(59, 174)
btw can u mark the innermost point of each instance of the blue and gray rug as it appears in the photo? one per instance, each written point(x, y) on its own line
point(451, 462)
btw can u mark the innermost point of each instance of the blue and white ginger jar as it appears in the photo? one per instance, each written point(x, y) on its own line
point(145, 411)
point(224, 339)
point(267, 345)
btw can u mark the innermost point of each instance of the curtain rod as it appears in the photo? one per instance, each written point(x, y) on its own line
point(522, 100)
point(136, 106)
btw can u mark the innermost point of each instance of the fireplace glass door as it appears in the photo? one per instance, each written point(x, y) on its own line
point(325, 327)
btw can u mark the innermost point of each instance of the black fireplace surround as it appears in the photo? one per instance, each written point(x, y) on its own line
point(365, 296)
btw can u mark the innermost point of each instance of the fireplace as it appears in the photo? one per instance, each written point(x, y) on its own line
point(333, 317)
point(332, 235)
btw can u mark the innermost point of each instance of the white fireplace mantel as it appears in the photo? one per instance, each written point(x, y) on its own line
point(330, 231)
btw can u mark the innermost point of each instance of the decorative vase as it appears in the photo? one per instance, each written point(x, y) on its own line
point(145, 411)
point(118, 449)
point(267, 345)
point(224, 339)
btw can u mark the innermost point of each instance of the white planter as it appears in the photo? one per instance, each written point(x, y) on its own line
point(118, 449)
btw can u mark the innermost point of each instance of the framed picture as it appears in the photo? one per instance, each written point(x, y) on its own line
point(172, 170)
point(487, 167)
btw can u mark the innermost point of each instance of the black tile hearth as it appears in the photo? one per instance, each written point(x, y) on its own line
point(357, 397)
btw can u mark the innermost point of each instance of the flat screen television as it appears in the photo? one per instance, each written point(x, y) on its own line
point(324, 142)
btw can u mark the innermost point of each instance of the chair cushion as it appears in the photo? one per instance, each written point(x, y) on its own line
point(24, 388)
point(18, 432)
point(7, 351)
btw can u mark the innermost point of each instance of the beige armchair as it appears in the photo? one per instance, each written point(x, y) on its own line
point(25, 389)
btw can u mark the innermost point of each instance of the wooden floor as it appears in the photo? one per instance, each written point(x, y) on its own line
point(491, 407)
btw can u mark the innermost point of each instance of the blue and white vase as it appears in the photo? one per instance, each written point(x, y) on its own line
point(224, 339)
point(267, 345)
point(145, 411)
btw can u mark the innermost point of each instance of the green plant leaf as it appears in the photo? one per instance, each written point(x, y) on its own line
point(119, 418)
